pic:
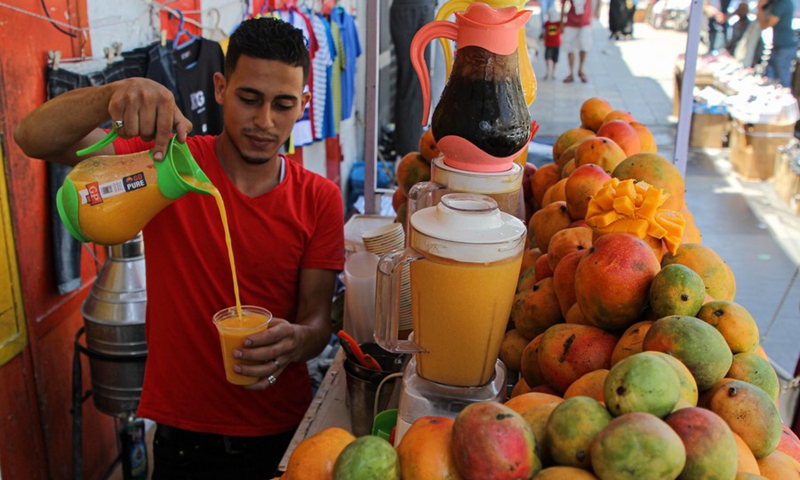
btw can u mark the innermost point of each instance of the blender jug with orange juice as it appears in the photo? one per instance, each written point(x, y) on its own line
point(108, 199)
point(464, 257)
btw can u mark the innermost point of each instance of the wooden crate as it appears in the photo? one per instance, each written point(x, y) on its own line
point(708, 130)
point(787, 176)
point(753, 147)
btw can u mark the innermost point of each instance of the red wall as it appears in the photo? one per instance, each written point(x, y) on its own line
point(35, 387)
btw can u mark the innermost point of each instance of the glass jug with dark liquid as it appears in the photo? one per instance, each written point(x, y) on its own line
point(481, 122)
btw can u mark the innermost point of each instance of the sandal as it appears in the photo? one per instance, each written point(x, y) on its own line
point(569, 79)
point(583, 77)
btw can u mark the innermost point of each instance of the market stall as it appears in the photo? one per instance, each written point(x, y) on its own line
point(584, 330)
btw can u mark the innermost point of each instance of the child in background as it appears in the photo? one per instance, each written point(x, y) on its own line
point(552, 42)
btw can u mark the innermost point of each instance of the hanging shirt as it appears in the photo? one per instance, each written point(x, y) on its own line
point(352, 47)
point(329, 123)
point(195, 66)
point(303, 131)
point(336, 75)
point(323, 59)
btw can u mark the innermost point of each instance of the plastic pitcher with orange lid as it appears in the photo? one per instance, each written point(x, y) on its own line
point(526, 73)
point(482, 122)
point(108, 199)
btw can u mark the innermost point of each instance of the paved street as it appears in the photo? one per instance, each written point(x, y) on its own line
point(744, 222)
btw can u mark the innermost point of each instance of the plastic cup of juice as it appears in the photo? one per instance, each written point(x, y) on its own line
point(233, 331)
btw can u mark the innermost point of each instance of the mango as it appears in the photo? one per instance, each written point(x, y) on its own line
point(490, 440)
point(631, 341)
point(779, 466)
point(425, 450)
point(564, 473)
point(676, 290)
point(641, 383)
point(709, 443)
point(571, 429)
point(367, 458)
point(716, 274)
point(567, 352)
point(751, 413)
point(612, 281)
point(537, 417)
point(734, 322)
point(695, 343)
point(688, 390)
point(751, 368)
point(637, 446)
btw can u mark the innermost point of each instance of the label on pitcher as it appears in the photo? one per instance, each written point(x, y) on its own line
point(94, 193)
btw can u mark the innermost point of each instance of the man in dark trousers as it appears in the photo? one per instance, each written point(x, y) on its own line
point(406, 17)
point(778, 14)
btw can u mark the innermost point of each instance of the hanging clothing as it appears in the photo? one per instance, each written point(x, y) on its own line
point(195, 66)
point(352, 48)
point(339, 63)
point(406, 17)
point(323, 59)
point(329, 122)
point(303, 131)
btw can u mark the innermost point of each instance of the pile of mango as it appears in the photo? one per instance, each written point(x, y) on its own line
point(635, 361)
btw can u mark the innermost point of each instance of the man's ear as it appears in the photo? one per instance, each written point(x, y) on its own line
point(303, 102)
point(219, 87)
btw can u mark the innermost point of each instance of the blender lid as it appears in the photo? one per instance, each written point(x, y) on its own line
point(466, 227)
point(468, 218)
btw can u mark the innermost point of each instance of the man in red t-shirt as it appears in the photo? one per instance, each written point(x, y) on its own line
point(576, 15)
point(552, 42)
point(287, 232)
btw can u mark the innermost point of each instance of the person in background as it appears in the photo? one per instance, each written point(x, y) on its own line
point(406, 17)
point(739, 27)
point(552, 43)
point(544, 8)
point(617, 19)
point(717, 13)
point(287, 228)
point(778, 14)
point(576, 17)
point(631, 7)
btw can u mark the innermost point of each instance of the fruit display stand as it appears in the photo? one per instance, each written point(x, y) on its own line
point(328, 409)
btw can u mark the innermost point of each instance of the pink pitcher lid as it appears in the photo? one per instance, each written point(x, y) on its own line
point(493, 29)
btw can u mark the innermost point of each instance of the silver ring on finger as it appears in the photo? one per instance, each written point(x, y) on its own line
point(118, 124)
point(271, 379)
point(277, 364)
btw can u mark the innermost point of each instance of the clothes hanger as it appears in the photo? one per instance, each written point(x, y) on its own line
point(176, 42)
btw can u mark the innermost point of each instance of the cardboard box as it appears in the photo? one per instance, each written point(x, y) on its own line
point(701, 80)
point(787, 176)
point(708, 130)
point(753, 147)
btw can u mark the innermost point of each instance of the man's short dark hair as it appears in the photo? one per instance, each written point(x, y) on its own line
point(268, 38)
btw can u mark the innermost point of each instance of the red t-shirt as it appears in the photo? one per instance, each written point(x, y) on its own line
point(552, 34)
point(575, 20)
point(297, 225)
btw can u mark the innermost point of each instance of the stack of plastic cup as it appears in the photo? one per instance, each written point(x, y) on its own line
point(383, 240)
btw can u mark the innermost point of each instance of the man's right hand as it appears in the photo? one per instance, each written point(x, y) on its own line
point(147, 110)
point(138, 107)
